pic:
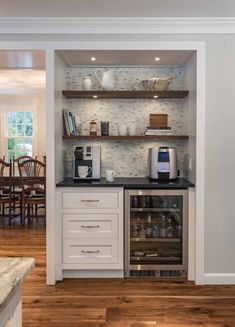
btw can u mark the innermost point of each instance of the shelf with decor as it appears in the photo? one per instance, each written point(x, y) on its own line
point(97, 94)
point(126, 137)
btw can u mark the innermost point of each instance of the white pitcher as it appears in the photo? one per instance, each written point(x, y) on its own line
point(106, 82)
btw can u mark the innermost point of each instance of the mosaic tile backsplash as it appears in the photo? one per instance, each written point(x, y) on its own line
point(128, 159)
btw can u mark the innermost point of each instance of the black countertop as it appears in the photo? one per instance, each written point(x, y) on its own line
point(128, 183)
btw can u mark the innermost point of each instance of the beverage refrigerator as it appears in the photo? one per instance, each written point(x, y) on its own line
point(156, 233)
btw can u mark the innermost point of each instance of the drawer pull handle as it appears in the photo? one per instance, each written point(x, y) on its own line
point(83, 251)
point(90, 226)
point(89, 201)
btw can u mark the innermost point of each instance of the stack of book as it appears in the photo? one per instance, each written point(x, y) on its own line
point(158, 130)
point(71, 126)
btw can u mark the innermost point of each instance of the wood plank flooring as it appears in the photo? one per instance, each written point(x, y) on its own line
point(112, 302)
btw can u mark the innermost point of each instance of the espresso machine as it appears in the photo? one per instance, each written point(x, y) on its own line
point(87, 158)
point(163, 163)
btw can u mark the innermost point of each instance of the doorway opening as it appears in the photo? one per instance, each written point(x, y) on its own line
point(22, 140)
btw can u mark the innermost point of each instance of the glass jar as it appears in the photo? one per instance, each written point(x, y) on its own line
point(93, 128)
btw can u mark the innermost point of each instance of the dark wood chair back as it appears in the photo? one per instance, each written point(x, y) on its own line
point(19, 160)
point(33, 177)
point(5, 177)
point(33, 184)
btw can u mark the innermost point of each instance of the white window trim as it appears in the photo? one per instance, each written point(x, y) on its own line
point(4, 109)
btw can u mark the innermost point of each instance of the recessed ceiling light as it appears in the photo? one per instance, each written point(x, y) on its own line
point(92, 58)
point(157, 59)
point(95, 96)
point(155, 96)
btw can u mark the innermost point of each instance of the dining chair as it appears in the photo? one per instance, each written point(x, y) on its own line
point(17, 161)
point(33, 183)
point(6, 196)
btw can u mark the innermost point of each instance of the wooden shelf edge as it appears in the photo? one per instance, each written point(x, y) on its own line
point(126, 138)
point(168, 94)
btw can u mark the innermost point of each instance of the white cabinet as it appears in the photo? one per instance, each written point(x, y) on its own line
point(92, 200)
point(91, 229)
point(90, 225)
point(90, 252)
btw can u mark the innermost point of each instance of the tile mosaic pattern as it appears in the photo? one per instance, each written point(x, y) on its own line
point(126, 158)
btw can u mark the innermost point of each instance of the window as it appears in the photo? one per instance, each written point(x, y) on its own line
point(19, 133)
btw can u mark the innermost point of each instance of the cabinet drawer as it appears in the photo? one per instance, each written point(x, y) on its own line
point(90, 251)
point(90, 200)
point(90, 225)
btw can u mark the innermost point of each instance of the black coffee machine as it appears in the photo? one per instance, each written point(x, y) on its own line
point(88, 159)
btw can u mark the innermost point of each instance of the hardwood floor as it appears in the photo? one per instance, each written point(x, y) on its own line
point(114, 302)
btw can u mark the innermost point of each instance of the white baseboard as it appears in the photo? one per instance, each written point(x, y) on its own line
point(93, 273)
point(219, 279)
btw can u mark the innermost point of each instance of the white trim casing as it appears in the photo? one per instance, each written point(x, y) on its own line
point(200, 166)
point(50, 172)
point(117, 25)
point(191, 233)
point(199, 47)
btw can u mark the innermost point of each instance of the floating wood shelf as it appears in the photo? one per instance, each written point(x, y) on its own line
point(127, 137)
point(73, 94)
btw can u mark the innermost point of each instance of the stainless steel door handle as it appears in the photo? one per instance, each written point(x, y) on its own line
point(90, 226)
point(89, 252)
point(89, 201)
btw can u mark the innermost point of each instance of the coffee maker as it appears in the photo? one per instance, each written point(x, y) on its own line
point(87, 156)
point(163, 163)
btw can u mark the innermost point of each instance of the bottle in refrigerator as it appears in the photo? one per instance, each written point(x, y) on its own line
point(134, 230)
point(134, 202)
point(170, 228)
point(149, 225)
point(163, 226)
point(155, 232)
point(142, 233)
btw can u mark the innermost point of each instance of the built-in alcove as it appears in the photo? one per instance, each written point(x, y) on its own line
point(127, 104)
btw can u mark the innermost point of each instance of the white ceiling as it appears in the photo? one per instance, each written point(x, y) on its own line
point(117, 8)
point(78, 58)
point(22, 81)
point(17, 59)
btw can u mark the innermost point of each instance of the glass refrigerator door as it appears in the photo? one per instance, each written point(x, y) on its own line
point(156, 230)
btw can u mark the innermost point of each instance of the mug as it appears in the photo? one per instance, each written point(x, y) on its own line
point(84, 171)
point(110, 175)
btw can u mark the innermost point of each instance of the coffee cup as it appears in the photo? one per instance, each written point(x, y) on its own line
point(110, 175)
point(84, 171)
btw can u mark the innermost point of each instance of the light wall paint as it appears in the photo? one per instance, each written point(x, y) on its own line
point(121, 8)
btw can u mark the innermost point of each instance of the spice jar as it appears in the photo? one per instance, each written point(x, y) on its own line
point(93, 128)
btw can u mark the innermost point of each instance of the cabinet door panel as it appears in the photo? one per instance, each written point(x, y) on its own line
point(90, 225)
point(90, 251)
point(90, 200)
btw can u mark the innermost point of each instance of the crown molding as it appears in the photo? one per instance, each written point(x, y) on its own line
point(47, 25)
